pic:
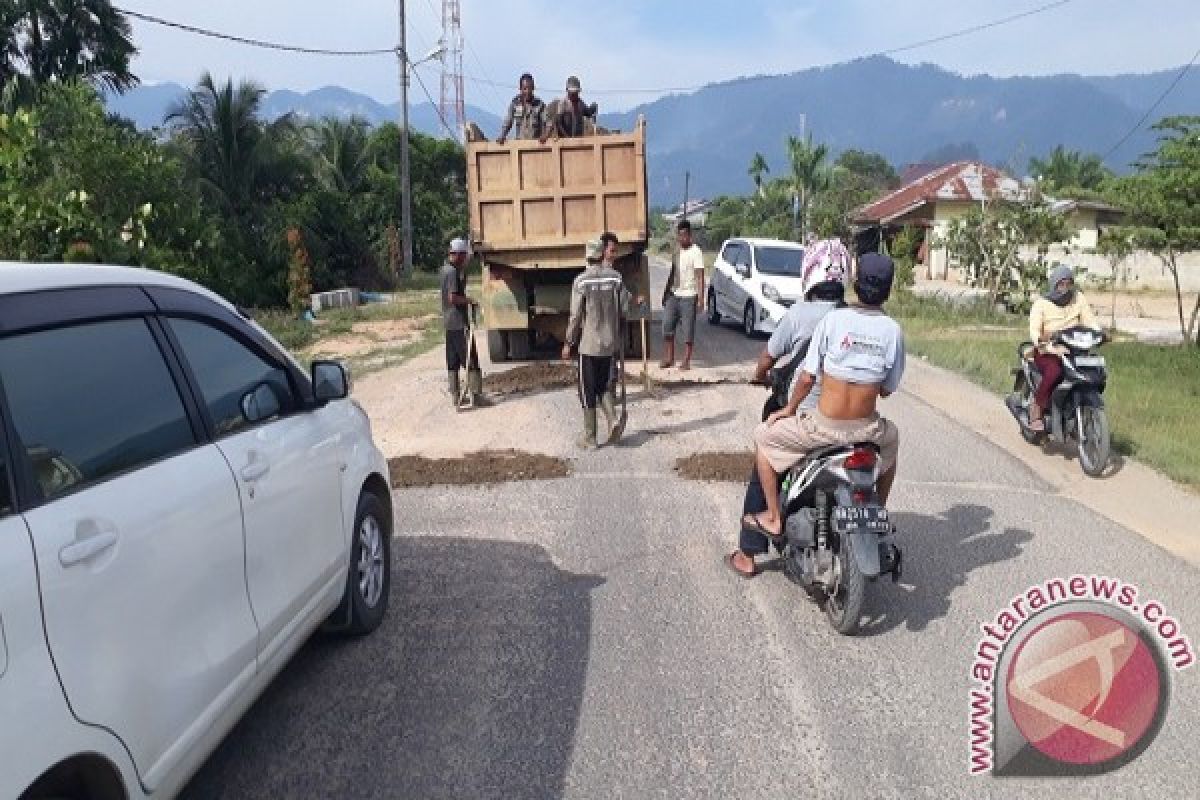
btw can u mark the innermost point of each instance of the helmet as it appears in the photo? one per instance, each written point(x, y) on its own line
point(826, 267)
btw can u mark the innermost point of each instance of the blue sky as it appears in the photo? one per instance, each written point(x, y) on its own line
point(616, 45)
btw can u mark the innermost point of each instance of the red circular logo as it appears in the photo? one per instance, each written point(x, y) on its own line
point(1084, 688)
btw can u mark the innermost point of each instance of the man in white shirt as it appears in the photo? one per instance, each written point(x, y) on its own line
point(684, 294)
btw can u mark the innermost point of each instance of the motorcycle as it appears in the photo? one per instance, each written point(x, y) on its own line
point(1076, 411)
point(837, 535)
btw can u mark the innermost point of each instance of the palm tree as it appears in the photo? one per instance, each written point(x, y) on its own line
point(758, 168)
point(237, 158)
point(67, 40)
point(810, 174)
point(1069, 169)
point(343, 153)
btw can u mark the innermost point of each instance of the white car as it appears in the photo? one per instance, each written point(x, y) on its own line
point(755, 281)
point(181, 507)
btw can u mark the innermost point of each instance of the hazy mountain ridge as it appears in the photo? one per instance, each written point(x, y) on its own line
point(904, 112)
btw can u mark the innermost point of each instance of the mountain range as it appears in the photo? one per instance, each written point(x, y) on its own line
point(908, 113)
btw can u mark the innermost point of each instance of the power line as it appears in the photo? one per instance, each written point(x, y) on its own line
point(1151, 109)
point(892, 51)
point(254, 42)
point(432, 102)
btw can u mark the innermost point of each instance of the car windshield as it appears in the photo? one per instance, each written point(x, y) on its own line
point(779, 260)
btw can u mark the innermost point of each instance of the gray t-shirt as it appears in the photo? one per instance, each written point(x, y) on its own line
point(790, 341)
point(858, 346)
point(454, 318)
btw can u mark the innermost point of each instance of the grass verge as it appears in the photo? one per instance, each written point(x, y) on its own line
point(417, 299)
point(1151, 398)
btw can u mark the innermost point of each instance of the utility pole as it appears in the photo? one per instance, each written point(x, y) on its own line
point(687, 179)
point(406, 225)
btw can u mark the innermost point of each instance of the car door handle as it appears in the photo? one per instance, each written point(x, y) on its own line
point(86, 549)
point(255, 470)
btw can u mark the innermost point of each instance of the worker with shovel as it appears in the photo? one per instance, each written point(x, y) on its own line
point(599, 301)
point(458, 314)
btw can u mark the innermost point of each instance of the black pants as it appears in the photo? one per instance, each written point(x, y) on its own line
point(595, 376)
point(750, 542)
point(456, 352)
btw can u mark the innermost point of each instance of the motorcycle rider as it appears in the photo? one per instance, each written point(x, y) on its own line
point(1062, 307)
point(825, 270)
point(857, 353)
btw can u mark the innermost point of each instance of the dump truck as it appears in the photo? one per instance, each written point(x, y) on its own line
point(532, 209)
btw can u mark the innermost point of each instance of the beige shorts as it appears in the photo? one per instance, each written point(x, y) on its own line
point(789, 439)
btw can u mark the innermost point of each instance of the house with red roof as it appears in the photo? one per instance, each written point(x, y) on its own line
point(931, 201)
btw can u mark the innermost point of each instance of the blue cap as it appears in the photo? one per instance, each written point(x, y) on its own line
point(876, 270)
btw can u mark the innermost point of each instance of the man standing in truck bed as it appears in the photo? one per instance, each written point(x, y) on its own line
point(528, 113)
point(599, 300)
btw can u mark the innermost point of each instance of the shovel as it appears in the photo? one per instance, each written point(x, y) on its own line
point(619, 429)
point(465, 399)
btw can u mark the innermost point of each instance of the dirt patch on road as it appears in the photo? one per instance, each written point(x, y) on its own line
point(540, 376)
point(486, 468)
point(731, 467)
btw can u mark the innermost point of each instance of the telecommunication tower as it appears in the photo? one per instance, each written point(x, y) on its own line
point(452, 105)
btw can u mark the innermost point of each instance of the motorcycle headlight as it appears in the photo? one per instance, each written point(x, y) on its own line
point(771, 293)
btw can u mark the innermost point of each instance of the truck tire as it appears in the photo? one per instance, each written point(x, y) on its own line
point(497, 346)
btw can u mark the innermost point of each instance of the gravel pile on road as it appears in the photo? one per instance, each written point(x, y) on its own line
point(539, 376)
point(732, 467)
point(485, 467)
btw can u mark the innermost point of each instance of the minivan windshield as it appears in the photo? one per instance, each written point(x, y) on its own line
point(779, 260)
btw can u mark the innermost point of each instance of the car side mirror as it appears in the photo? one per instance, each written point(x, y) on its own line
point(260, 403)
point(743, 270)
point(330, 381)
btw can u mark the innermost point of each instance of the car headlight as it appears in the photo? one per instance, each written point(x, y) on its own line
point(769, 292)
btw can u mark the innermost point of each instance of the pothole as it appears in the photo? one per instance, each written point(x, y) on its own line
point(482, 468)
point(731, 467)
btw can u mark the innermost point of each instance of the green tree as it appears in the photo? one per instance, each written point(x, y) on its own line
point(76, 186)
point(1116, 245)
point(342, 153)
point(986, 242)
point(1163, 201)
point(64, 40)
point(1068, 169)
point(871, 170)
point(758, 168)
point(810, 174)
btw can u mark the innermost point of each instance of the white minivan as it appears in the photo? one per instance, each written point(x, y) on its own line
point(755, 281)
point(181, 507)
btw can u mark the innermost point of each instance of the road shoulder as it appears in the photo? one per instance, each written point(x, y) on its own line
point(1134, 496)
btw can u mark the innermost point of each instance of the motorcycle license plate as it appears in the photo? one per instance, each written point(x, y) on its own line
point(863, 517)
point(1089, 361)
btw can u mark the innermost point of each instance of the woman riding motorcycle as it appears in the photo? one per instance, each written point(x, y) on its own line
point(1062, 307)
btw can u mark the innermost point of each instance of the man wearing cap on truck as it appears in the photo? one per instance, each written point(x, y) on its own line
point(599, 300)
point(572, 111)
point(455, 308)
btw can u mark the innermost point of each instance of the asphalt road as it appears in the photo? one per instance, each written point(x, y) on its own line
point(581, 638)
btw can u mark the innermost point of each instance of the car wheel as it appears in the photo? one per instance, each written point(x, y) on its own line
point(370, 578)
point(748, 317)
point(714, 314)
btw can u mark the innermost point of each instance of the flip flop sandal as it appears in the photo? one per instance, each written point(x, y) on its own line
point(755, 526)
point(747, 575)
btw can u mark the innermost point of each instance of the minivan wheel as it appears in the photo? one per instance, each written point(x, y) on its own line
point(714, 314)
point(748, 319)
point(370, 578)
